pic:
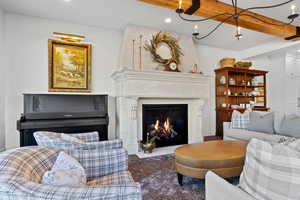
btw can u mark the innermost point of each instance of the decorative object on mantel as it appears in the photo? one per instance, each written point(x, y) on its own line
point(69, 66)
point(133, 54)
point(149, 145)
point(164, 42)
point(195, 69)
point(140, 47)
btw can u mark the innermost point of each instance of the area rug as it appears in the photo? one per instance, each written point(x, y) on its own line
point(158, 178)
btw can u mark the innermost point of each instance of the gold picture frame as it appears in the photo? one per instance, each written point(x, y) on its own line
point(69, 66)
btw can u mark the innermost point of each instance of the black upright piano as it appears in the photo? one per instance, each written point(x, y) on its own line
point(63, 113)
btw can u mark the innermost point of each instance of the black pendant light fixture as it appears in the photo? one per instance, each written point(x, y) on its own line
point(196, 4)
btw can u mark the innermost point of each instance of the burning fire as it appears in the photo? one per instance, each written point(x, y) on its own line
point(167, 126)
point(164, 129)
point(156, 126)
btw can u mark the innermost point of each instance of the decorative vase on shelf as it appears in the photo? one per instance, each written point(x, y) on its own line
point(254, 82)
point(231, 81)
point(228, 92)
point(222, 80)
point(224, 105)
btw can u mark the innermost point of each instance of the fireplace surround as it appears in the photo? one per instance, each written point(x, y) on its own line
point(137, 88)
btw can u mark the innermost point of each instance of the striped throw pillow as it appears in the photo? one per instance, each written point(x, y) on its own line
point(271, 171)
point(240, 120)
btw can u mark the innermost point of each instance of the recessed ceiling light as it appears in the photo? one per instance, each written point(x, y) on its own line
point(168, 20)
point(67, 0)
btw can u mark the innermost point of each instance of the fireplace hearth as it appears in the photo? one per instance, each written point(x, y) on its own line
point(167, 122)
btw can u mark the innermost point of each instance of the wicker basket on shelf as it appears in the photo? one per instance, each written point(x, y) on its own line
point(227, 62)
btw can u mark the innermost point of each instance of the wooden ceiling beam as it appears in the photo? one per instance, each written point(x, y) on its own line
point(212, 7)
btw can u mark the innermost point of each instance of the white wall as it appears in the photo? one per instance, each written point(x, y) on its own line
point(209, 58)
point(268, 48)
point(281, 89)
point(28, 61)
point(2, 81)
point(188, 48)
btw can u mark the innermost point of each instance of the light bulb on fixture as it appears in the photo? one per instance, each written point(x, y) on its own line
point(180, 4)
point(196, 31)
point(293, 9)
point(293, 15)
point(238, 35)
point(180, 10)
point(239, 30)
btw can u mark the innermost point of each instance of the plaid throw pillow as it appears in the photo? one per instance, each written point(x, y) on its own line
point(271, 171)
point(71, 139)
point(240, 120)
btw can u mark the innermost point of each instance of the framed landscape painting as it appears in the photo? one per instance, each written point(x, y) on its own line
point(69, 66)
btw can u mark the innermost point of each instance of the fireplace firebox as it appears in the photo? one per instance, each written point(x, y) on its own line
point(168, 123)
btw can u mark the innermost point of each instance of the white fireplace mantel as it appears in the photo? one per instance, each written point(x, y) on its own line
point(132, 83)
point(134, 88)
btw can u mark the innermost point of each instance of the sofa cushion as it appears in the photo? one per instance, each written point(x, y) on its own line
point(113, 179)
point(261, 122)
point(240, 120)
point(245, 135)
point(271, 171)
point(290, 126)
point(65, 171)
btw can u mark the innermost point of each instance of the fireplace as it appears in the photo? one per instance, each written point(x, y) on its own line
point(167, 122)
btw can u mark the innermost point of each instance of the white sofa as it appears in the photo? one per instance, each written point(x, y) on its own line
point(245, 135)
point(219, 189)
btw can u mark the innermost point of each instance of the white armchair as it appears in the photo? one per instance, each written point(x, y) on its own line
point(21, 171)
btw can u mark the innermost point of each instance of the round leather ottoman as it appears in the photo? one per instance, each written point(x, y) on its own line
point(225, 158)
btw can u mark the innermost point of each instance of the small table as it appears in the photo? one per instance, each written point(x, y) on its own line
point(225, 158)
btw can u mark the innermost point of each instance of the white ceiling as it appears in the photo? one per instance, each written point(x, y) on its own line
point(117, 14)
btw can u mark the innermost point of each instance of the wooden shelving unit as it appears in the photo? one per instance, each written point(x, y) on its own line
point(249, 86)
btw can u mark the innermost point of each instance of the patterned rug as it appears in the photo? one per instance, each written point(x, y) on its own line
point(158, 178)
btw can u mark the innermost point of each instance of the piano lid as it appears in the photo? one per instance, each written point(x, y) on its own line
point(60, 106)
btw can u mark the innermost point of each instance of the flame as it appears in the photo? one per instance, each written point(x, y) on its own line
point(156, 125)
point(167, 125)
